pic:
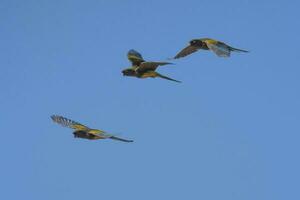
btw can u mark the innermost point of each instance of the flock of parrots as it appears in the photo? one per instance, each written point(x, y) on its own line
point(144, 69)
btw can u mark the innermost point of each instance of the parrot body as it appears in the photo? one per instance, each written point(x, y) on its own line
point(82, 131)
point(143, 69)
point(219, 48)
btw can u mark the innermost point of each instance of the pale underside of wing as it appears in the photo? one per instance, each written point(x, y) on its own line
point(68, 123)
point(186, 51)
point(220, 49)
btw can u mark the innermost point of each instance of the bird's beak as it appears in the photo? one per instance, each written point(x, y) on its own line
point(123, 72)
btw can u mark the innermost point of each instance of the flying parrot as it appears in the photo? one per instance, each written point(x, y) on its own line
point(219, 48)
point(82, 131)
point(143, 69)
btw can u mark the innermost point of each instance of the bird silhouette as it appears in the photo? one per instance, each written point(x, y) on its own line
point(218, 47)
point(82, 131)
point(143, 69)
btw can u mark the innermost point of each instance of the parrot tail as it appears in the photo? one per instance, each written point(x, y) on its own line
point(238, 50)
point(165, 77)
point(113, 137)
point(120, 139)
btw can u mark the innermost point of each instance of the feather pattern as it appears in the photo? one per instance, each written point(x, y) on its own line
point(68, 123)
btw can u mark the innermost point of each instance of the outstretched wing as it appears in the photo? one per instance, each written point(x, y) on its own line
point(68, 123)
point(219, 48)
point(147, 66)
point(186, 51)
point(135, 57)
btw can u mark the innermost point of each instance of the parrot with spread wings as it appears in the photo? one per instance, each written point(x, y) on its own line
point(82, 131)
point(143, 69)
point(219, 48)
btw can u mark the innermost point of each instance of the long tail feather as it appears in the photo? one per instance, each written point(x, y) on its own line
point(120, 139)
point(238, 50)
point(168, 78)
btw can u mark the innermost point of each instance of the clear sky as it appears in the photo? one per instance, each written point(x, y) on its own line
point(230, 131)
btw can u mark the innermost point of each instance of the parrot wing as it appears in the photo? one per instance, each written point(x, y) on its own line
point(186, 51)
point(150, 66)
point(69, 123)
point(219, 48)
point(135, 57)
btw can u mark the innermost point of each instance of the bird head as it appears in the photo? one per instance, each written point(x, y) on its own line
point(75, 134)
point(196, 42)
point(129, 72)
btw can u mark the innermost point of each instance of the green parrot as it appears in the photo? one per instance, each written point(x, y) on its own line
point(82, 131)
point(143, 69)
point(219, 48)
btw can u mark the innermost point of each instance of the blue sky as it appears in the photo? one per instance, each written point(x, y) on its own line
point(230, 131)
